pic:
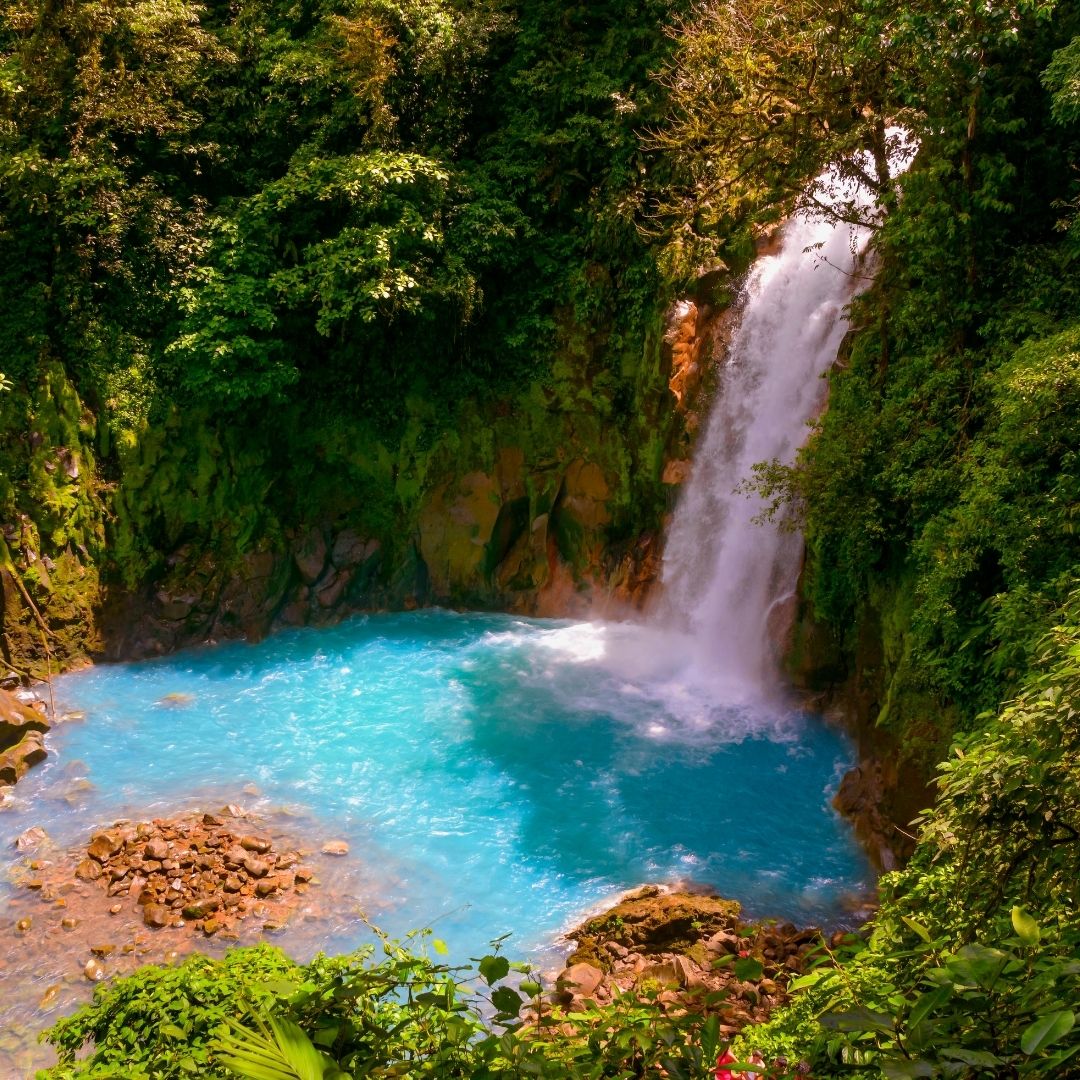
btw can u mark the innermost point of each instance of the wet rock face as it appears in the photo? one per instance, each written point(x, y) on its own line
point(190, 870)
point(685, 945)
point(22, 744)
point(861, 798)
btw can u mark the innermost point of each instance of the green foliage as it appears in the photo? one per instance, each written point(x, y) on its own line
point(256, 1014)
point(972, 969)
point(159, 1022)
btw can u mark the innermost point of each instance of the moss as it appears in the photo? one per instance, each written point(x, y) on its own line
point(652, 921)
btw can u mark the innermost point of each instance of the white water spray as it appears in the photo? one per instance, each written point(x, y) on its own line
point(726, 577)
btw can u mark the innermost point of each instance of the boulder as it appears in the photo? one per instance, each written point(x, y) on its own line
point(156, 915)
point(351, 549)
point(155, 849)
point(17, 721)
point(310, 556)
point(332, 588)
point(16, 761)
point(666, 974)
point(105, 845)
point(89, 870)
point(582, 980)
point(676, 472)
point(724, 941)
point(175, 607)
point(202, 907)
point(690, 975)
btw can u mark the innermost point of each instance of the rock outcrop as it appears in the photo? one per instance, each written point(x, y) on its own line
point(22, 731)
point(684, 946)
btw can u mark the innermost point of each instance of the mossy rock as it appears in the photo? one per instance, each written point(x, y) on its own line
point(653, 921)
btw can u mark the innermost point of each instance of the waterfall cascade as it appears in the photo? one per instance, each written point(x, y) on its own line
point(725, 574)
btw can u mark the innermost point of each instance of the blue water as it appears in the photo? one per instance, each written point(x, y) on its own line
point(491, 774)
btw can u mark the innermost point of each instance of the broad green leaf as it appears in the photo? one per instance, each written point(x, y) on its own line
point(918, 928)
point(507, 1000)
point(858, 1019)
point(748, 969)
point(1046, 1030)
point(1027, 929)
point(907, 1070)
point(494, 968)
point(927, 1003)
point(978, 965)
point(971, 1057)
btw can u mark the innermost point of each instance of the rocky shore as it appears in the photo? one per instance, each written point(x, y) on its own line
point(684, 946)
point(143, 892)
point(193, 870)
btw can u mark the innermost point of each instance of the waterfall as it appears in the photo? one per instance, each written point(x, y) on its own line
point(726, 576)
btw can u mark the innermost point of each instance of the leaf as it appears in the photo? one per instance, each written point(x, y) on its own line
point(748, 969)
point(173, 1031)
point(439, 946)
point(977, 965)
point(971, 1057)
point(494, 968)
point(918, 928)
point(1027, 929)
point(507, 1000)
point(1046, 1030)
point(857, 1020)
point(907, 1070)
point(529, 987)
point(927, 1003)
point(283, 1052)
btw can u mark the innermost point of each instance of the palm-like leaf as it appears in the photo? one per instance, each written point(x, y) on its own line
point(277, 1050)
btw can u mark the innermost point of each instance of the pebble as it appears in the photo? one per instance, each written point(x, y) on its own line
point(335, 847)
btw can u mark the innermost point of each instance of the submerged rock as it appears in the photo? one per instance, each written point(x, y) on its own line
point(31, 838)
